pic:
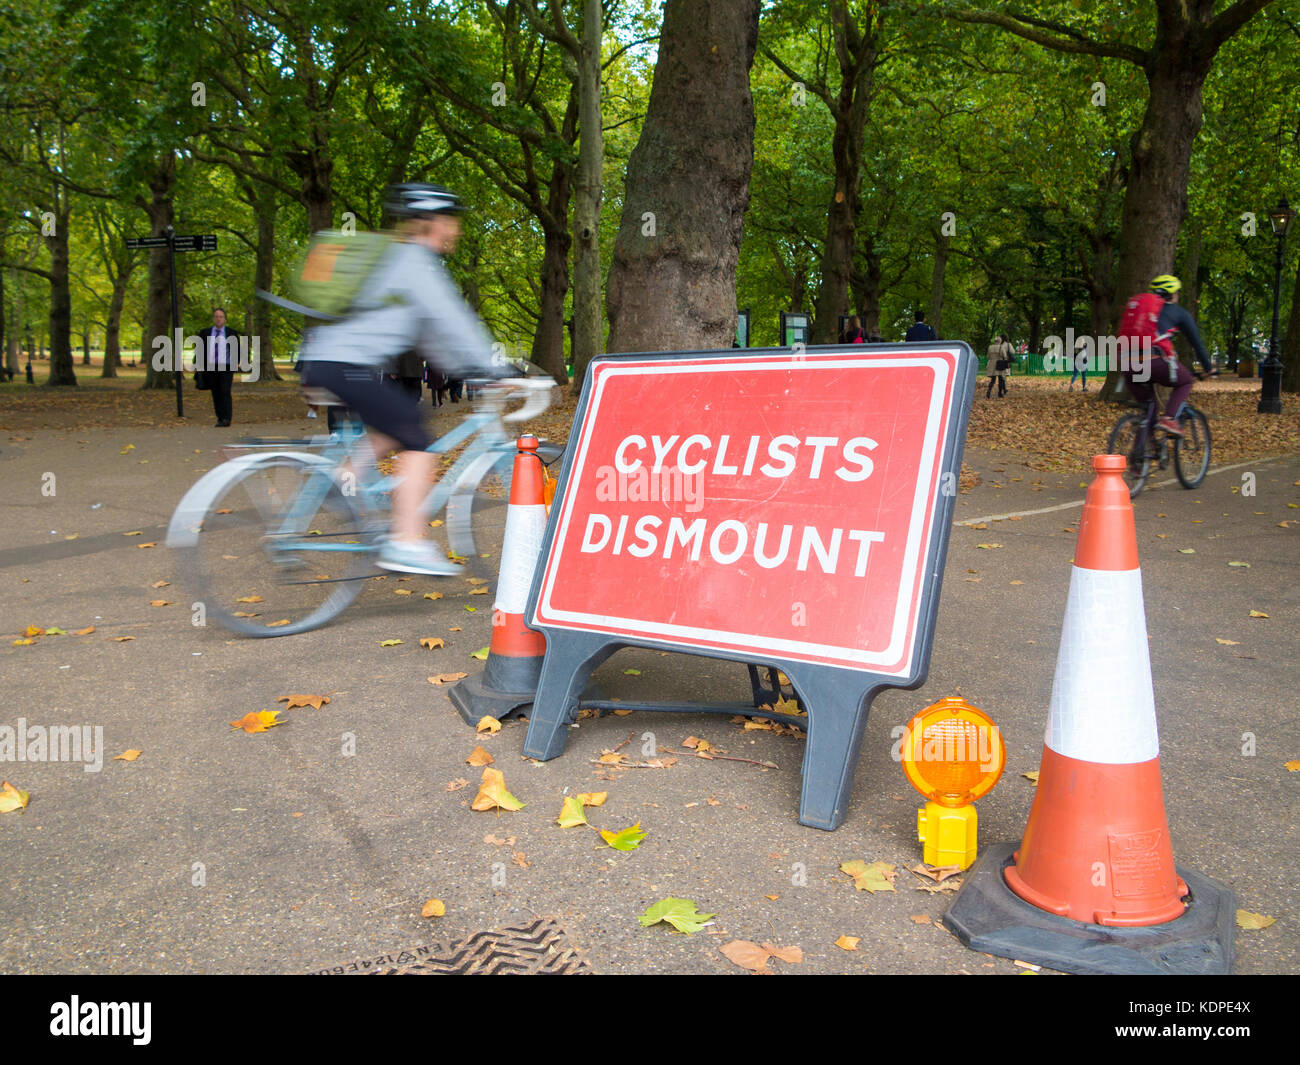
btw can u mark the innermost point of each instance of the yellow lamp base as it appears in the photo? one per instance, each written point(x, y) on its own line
point(949, 834)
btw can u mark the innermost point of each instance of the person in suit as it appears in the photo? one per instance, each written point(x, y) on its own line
point(920, 330)
point(218, 361)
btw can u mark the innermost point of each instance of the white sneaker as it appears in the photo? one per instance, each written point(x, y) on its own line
point(418, 556)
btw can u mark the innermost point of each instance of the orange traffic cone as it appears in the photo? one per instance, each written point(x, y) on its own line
point(1096, 860)
point(515, 653)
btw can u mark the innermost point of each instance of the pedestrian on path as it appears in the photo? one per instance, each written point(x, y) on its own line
point(1080, 362)
point(999, 361)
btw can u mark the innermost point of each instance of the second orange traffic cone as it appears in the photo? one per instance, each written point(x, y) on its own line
point(515, 653)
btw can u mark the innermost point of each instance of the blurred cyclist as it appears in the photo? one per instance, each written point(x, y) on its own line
point(408, 302)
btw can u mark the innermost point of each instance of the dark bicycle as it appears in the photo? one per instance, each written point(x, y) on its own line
point(1148, 447)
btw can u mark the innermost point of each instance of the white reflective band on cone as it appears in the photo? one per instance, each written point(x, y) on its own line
point(525, 528)
point(1103, 709)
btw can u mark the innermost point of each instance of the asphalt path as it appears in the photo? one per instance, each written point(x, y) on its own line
point(218, 851)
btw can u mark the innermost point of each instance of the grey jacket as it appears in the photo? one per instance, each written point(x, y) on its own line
point(408, 302)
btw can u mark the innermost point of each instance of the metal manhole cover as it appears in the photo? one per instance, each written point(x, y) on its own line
point(536, 948)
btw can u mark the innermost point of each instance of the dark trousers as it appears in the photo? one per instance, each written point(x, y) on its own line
point(1001, 379)
point(221, 381)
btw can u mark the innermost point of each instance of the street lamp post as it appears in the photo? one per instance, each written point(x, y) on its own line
point(1270, 390)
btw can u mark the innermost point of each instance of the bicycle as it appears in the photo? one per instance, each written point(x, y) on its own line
point(279, 539)
point(1147, 446)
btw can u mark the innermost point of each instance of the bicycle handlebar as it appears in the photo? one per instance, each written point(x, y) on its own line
point(535, 393)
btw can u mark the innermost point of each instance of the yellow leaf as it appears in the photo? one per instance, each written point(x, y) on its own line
point(435, 523)
point(249, 599)
point(1031, 775)
point(848, 942)
point(33, 630)
point(754, 726)
point(478, 591)
point(151, 543)
point(487, 724)
point(446, 678)
point(277, 624)
point(1258, 614)
point(593, 798)
point(878, 876)
point(988, 547)
point(128, 756)
point(84, 632)
point(257, 721)
point(626, 839)
point(159, 602)
point(160, 584)
point(12, 798)
point(295, 701)
point(1187, 550)
point(1242, 565)
point(478, 756)
point(431, 642)
point(481, 654)
point(477, 580)
point(1254, 921)
point(433, 595)
point(24, 642)
point(1293, 766)
point(389, 643)
point(571, 813)
point(492, 793)
point(1227, 643)
point(136, 532)
point(433, 908)
point(246, 614)
point(403, 591)
point(129, 447)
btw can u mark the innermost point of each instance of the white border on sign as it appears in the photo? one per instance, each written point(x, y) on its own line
point(919, 533)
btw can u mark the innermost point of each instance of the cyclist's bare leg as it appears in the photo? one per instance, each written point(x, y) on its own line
point(418, 471)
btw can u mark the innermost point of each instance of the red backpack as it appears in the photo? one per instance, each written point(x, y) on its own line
point(1139, 328)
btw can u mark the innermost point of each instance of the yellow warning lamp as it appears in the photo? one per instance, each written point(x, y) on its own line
point(952, 753)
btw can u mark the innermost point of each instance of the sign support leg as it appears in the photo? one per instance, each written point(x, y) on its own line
point(570, 659)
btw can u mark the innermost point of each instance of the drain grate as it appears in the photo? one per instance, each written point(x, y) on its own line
point(539, 947)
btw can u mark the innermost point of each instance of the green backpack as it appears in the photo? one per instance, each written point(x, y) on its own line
point(332, 271)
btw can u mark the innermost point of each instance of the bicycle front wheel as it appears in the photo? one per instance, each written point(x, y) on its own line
point(1192, 452)
point(1128, 438)
point(279, 548)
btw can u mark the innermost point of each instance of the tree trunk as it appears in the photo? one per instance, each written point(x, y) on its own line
point(588, 316)
point(672, 282)
point(1189, 271)
point(61, 368)
point(158, 315)
point(1291, 345)
point(867, 285)
point(1155, 201)
point(264, 278)
point(4, 321)
point(934, 315)
point(85, 347)
point(548, 339)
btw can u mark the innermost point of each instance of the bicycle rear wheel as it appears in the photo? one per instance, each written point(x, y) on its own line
point(477, 509)
point(280, 549)
point(1192, 452)
point(1129, 438)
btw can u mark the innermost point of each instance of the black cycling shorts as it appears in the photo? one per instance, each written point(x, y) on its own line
point(382, 406)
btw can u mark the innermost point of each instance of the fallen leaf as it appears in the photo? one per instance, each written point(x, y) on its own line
point(282, 621)
point(257, 721)
point(921, 918)
point(593, 798)
point(403, 591)
point(571, 813)
point(457, 784)
point(631, 673)
point(1227, 643)
point(160, 584)
point(12, 798)
point(747, 955)
point(33, 630)
point(787, 706)
point(771, 898)
point(1242, 565)
point(134, 532)
point(246, 614)
point(938, 873)
point(23, 642)
point(84, 632)
point(519, 860)
point(250, 599)
point(481, 654)
point(1294, 766)
point(151, 543)
point(680, 913)
point(492, 793)
point(479, 757)
point(1031, 775)
point(434, 908)
point(122, 639)
point(793, 955)
point(1017, 582)
point(390, 643)
point(446, 678)
point(1253, 921)
point(496, 841)
point(1258, 614)
point(488, 725)
point(627, 839)
point(754, 726)
point(159, 602)
point(433, 595)
point(988, 547)
point(848, 942)
point(612, 758)
point(979, 525)
point(1187, 550)
point(878, 876)
point(430, 642)
point(295, 701)
point(478, 591)
point(128, 756)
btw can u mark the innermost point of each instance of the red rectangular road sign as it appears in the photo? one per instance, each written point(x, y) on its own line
point(758, 506)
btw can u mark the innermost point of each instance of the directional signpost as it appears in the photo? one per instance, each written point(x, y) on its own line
point(173, 244)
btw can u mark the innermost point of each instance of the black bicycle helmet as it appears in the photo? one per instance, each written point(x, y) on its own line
point(416, 199)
